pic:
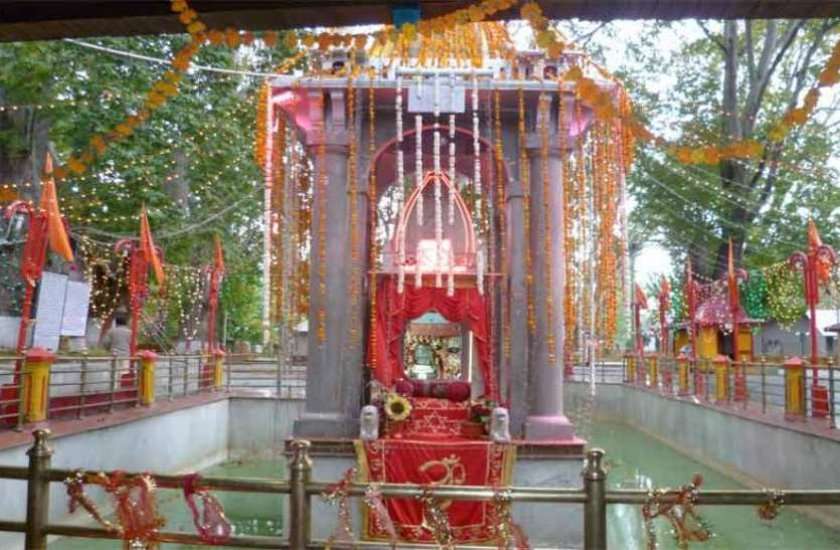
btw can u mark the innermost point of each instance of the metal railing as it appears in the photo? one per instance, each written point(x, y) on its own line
point(85, 385)
point(594, 497)
point(757, 387)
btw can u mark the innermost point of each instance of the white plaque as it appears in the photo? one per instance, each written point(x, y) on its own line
point(76, 300)
point(51, 294)
point(421, 98)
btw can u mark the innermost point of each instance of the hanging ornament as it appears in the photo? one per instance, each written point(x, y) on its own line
point(207, 512)
point(337, 494)
point(382, 518)
point(687, 525)
point(436, 521)
point(509, 534)
point(134, 502)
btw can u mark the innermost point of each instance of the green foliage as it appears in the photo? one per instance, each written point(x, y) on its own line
point(191, 164)
point(785, 295)
point(754, 295)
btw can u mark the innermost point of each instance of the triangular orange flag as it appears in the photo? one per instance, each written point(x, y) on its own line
point(814, 242)
point(59, 242)
point(147, 245)
point(220, 254)
point(641, 299)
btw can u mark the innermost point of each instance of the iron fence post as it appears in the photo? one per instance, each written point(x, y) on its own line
point(21, 403)
point(831, 392)
point(170, 386)
point(300, 471)
point(38, 492)
point(113, 382)
point(763, 384)
point(82, 383)
point(595, 508)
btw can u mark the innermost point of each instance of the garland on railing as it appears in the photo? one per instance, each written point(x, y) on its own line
point(509, 534)
point(208, 514)
point(770, 509)
point(134, 501)
point(680, 511)
point(337, 494)
point(435, 520)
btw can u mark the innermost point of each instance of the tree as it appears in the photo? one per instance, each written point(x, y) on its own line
point(725, 83)
point(191, 164)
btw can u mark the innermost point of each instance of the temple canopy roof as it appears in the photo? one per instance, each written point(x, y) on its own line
point(716, 312)
point(27, 20)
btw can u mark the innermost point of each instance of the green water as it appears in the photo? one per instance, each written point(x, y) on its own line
point(638, 461)
point(249, 514)
point(634, 460)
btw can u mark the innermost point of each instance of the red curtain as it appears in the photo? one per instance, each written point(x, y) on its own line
point(395, 310)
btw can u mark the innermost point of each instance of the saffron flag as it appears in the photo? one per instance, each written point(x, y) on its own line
point(220, 254)
point(641, 299)
point(734, 298)
point(147, 245)
point(814, 242)
point(59, 242)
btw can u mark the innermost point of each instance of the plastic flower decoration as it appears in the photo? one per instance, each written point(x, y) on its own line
point(397, 407)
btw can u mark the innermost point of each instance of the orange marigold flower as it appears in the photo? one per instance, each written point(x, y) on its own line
point(270, 38)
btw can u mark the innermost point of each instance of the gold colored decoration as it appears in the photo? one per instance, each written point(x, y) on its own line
point(770, 509)
point(525, 181)
point(338, 494)
point(545, 117)
point(509, 534)
point(436, 522)
point(397, 407)
point(372, 197)
point(680, 511)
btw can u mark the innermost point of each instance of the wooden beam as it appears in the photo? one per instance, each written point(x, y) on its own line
point(50, 19)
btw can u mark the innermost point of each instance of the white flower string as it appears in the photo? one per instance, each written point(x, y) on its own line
point(418, 165)
point(479, 268)
point(398, 107)
point(452, 178)
point(476, 144)
point(437, 172)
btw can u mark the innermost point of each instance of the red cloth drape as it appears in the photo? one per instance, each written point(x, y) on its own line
point(476, 463)
point(395, 310)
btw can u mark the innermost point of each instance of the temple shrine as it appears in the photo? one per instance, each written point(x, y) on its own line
point(439, 185)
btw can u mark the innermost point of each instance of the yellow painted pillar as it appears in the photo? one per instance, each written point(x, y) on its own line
point(681, 339)
point(707, 342)
point(218, 369)
point(794, 387)
point(745, 344)
point(653, 371)
point(36, 384)
point(682, 374)
point(721, 378)
point(148, 360)
point(631, 367)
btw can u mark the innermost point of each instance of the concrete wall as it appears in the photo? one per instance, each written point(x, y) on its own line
point(755, 452)
point(186, 439)
point(259, 424)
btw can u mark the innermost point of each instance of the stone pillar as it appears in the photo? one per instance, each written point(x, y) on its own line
point(333, 383)
point(546, 420)
point(517, 241)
